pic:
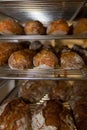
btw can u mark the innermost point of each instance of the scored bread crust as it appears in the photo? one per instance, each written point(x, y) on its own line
point(10, 27)
point(15, 115)
point(58, 27)
point(34, 27)
point(71, 60)
point(6, 49)
point(22, 59)
point(52, 116)
point(45, 57)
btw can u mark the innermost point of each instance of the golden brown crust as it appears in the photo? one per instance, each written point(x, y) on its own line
point(71, 60)
point(34, 27)
point(10, 26)
point(6, 49)
point(22, 59)
point(58, 27)
point(14, 111)
point(81, 26)
point(45, 57)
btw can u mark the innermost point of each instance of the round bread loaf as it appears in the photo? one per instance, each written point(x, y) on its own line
point(80, 26)
point(15, 115)
point(58, 27)
point(10, 27)
point(22, 59)
point(46, 57)
point(34, 27)
point(71, 60)
point(6, 49)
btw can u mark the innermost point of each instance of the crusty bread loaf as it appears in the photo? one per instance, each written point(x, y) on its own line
point(33, 91)
point(81, 51)
point(71, 60)
point(9, 26)
point(34, 27)
point(6, 49)
point(15, 115)
point(52, 116)
point(22, 59)
point(80, 27)
point(46, 57)
point(59, 26)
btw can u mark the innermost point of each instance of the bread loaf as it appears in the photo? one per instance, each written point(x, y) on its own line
point(45, 57)
point(6, 49)
point(71, 60)
point(59, 26)
point(34, 27)
point(15, 115)
point(33, 91)
point(9, 26)
point(22, 59)
point(80, 26)
point(52, 116)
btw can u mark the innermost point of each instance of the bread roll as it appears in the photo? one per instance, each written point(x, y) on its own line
point(33, 91)
point(80, 26)
point(6, 49)
point(71, 60)
point(15, 115)
point(22, 59)
point(34, 27)
point(58, 27)
point(52, 116)
point(9, 27)
point(46, 57)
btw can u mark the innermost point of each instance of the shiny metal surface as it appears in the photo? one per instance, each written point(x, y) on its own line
point(42, 37)
point(45, 11)
point(5, 88)
point(45, 74)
